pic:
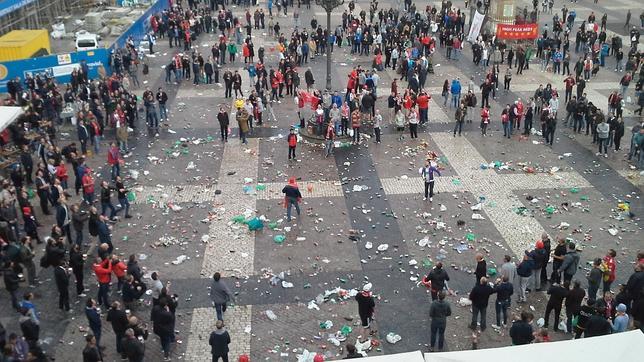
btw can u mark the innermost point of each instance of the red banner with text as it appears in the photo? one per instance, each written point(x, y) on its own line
point(517, 32)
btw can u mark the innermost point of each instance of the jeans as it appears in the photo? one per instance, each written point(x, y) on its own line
point(329, 148)
point(523, 285)
point(108, 205)
point(292, 202)
point(455, 99)
point(220, 309)
point(102, 299)
point(163, 111)
point(437, 330)
point(356, 134)
point(242, 136)
point(116, 170)
point(592, 291)
point(475, 314)
point(79, 237)
point(125, 204)
point(166, 339)
point(459, 127)
point(507, 129)
point(429, 189)
point(603, 143)
point(97, 143)
point(153, 120)
point(377, 131)
point(536, 275)
point(501, 307)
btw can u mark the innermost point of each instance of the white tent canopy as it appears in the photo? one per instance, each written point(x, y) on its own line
point(612, 347)
point(8, 115)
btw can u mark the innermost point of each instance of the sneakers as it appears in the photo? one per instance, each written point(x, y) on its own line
point(496, 326)
point(424, 199)
point(82, 295)
point(597, 153)
point(431, 199)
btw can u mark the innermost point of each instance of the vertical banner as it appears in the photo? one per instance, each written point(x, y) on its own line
point(475, 27)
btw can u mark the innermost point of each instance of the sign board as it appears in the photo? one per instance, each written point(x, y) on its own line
point(64, 58)
point(59, 66)
point(508, 11)
point(475, 27)
point(517, 32)
point(9, 6)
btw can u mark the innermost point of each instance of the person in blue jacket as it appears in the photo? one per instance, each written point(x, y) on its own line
point(455, 89)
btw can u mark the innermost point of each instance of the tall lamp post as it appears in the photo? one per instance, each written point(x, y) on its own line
point(328, 5)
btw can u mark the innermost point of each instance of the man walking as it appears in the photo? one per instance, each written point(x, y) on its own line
point(219, 341)
point(438, 312)
point(480, 296)
point(220, 295)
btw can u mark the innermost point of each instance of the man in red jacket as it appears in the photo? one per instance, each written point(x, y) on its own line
point(103, 271)
point(423, 106)
point(114, 159)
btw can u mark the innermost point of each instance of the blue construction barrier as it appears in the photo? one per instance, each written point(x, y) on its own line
point(141, 26)
point(59, 66)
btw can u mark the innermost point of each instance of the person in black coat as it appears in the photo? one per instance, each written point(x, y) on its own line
point(62, 283)
point(438, 277)
point(133, 348)
point(77, 262)
point(219, 341)
point(163, 322)
point(480, 296)
point(224, 121)
point(521, 331)
point(557, 295)
point(29, 327)
point(11, 282)
point(117, 317)
point(481, 268)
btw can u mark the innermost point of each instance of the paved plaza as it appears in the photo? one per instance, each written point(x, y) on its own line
point(190, 186)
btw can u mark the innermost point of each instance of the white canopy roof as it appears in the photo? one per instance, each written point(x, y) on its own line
point(613, 347)
point(8, 115)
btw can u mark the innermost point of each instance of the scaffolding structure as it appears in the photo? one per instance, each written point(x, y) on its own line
point(41, 14)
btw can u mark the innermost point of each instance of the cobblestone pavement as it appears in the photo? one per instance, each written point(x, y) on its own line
point(187, 209)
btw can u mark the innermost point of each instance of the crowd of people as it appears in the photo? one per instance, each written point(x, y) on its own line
point(105, 111)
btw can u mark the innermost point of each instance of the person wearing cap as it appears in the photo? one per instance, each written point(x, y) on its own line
point(366, 305)
point(620, 322)
point(31, 225)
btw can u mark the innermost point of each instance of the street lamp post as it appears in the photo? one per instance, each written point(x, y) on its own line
point(328, 5)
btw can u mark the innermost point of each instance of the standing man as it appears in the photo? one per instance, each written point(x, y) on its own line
point(438, 277)
point(366, 306)
point(162, 99)
point(12, 283)
point(62, 283)
point(509, 269)
point(438, 312)
point(504, 291)
point(91, 353)
point(557, 259)
point(573, 303)
point(524, 271)
point(291, 139)
point(521, 331)
point(220, 295)
point(133, 348)
point(539, 256)
point(480, 296)
point(557, 294)
point(481, 268)
point(219, 341)
point(117, 317)
point(292, 197)
point(330, 139)
point(427, 172)
point(103, 271)
point(594, 279)
point(570, 262)
point(94, 319)
point(224, 121)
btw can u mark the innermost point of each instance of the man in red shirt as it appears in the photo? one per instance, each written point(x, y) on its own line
point(88, 186)
point(103, 271)
point(570, 82)
point(423, 106)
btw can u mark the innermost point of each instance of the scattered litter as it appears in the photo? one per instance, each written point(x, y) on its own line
point(393, 338)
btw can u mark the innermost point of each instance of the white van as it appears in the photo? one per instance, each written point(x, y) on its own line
point(86, 41)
